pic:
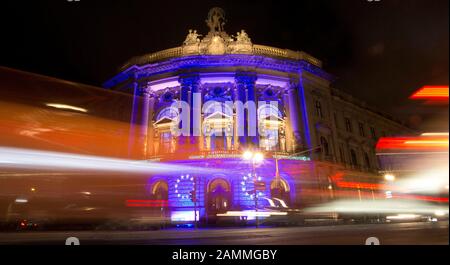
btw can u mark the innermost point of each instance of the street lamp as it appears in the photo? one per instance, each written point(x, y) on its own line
point(277, 171)
point(258, 158)
point(389, 177)
point(255, 158)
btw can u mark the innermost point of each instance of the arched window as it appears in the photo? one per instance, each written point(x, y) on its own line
point(164, 120)
point(160, 190)
point(211, 107)
point(219, 196)
point(280, 189)
point(324, 145)
point(169, 113)
point(267, 110)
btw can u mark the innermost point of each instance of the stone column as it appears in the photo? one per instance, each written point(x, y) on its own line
point(134, 119)
point(151, 130)
point(245, 84)
point(304, 109)
point(144, 121)
point(236, 120)
point(228, 142)
point(184, 96)
point(196, 113)
point(294, 113)
point(251, 97)
point(190, 84)
point(208, 142)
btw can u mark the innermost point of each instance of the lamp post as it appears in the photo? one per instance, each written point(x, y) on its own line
point(255, 158)
point(195, 202)
point(277, 173)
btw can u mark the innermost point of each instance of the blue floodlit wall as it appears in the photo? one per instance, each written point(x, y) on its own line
point(241, 187)
point(243, 196)
point(180, 188)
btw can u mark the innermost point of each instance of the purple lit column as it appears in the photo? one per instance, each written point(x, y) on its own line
point(245, 84)
point(150, 134)
point(136, 116)
point(252, 116)
point(294, 114)
point(196, 112)
point(190, 84)
point(143, 140)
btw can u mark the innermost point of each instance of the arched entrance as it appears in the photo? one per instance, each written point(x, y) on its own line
point(160, 190)
point(280, 189)
point(219, 196)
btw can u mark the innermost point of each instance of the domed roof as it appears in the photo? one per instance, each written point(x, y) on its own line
point(218, 42)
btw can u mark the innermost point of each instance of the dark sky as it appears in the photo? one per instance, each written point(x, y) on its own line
point(380, 51)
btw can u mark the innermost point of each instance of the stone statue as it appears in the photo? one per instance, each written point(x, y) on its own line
point(216, 19)
point(192, 38)
point(242, 37)
point(242, 44)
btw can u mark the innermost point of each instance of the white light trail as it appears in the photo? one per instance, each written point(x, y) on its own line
point(378, 206)
point(250, 213)
point(435, 134)
point(19, 200)
point(35, 159)
point(64, 106)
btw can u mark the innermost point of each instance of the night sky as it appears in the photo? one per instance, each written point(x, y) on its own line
point(380, 52)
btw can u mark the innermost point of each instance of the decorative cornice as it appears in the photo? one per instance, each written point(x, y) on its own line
point(255, 49)
point(189, 79)
point(182, 64)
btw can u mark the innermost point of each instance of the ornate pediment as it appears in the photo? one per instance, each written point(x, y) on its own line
point(218, 115)
point(164, 121)
point(272, 117)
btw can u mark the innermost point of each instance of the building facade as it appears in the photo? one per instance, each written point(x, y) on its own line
point(310, 133)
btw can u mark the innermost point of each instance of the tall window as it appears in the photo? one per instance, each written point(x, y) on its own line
point(367, 160)
point(341, 153)
point(348, 125)
point(353, 157)
point(166, 118)
point(335, 120)
point(166, 140)
point(270, 140)
point(361, 129)
point(319, 109)
point(270, 122)
point(324, 145)
point(372, 133)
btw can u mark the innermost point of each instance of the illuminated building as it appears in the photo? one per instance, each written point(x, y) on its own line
point(220, 68)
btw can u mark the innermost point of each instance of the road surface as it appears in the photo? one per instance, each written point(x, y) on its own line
point(420, 233)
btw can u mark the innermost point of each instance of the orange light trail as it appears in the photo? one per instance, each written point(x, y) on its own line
point(431, 92)
point(413, 143)
point(146, 203)
point(361, 185)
